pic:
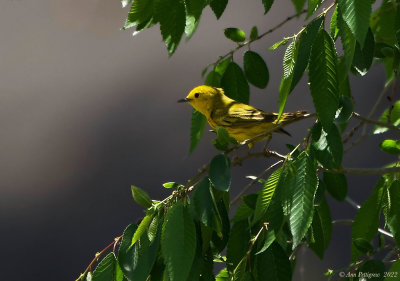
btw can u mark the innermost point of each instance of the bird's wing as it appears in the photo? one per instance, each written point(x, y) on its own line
point(241, 115)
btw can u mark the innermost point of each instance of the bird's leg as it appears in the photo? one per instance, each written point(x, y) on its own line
point(269, 137)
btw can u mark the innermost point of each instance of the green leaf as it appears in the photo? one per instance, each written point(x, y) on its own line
point(374, 270)
point(238, 244)
point(301, 183)
point(235, 84)
point(255, 69)
point(356, 14)
point(390, 146)
point(334, 30)
point(283, 42)
point(223, 275)
point(222, 66)
point(363, 56)
point(348, 42)
point(178, 242)
point(194, 8)
point(336, 184)
point(363, 245)
point(323, 78)
point(141, 11)
point(394, 118)
point(265, 196)
point(235, 34)
point(313, 5)
point(197, 129)
point(220, 238)
point(327, 146)
point(254, 33)
point(269, 238)
point(383, 22)
point(393, 214)
point(303, 50)
point(366, 221)
point(213, 79)
point(223, 139)
point(125, 252)
point(172, 185)
point(105, 270)
point(220, 173)
point(202, 203)
point(286, 82)
point(394, 271)
point(172, 24)
point(273, 265)
point(218, 7)
point(142, 228)
point(299, 4)
point(243, 212)
point(267, 5)
point(141, 197)
point(322, 229)
point(345, 110)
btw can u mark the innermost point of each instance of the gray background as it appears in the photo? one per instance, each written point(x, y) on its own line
point(86, 110)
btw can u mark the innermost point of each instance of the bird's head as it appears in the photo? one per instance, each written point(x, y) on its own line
point(202, 98)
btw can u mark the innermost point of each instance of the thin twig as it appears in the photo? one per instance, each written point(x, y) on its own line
point(253, 182)
point(365, 171)
point(350, 222)
point(383, 124)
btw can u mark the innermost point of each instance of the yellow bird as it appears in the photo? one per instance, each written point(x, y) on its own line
point(242, 121)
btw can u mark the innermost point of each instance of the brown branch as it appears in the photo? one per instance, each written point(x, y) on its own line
point(363, 171)
point(383, 124)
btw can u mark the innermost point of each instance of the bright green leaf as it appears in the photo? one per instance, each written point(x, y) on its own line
point(105, 271)
point(333, 27)
point(255, 69)
point(286, 82)
point(313, 5)
point(283, 42)
point(393, 214)
point(172, 185)
point(141, 11)
point(235, 34)
point(356, 14)
point(390, 146)
point(235, 84)
point(222, 66)
point(197, 129)
point(141, 197)
point(194, 8)
point(178, 242)
point(142, 228)
point(220, 173)
point(323, 78)
point(394, 118)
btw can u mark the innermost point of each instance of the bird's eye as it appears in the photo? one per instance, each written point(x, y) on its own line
point(196, 95)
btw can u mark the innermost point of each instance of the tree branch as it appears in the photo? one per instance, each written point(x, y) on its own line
point(361, 171)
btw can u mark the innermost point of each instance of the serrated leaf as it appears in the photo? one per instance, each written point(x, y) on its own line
point(366, 221)
point(213, 79)
point(298, 4)
point(390, 146)
point(265, 196)
point(223, 275)
point(202, 203)
point(336, 184)
point(356, 14)
point(243, 212)
point(178, 242)
point(300, 185)
point(105, 270)
point(393, 214)
point(322, 229)
point(235, 84)
point(218, 7)
point(142, 228)
point(348, 42)
point(125, 252)
point(394, 118)
point(172, 24)
point(141, 197)
point(333, 27)
point(141, 11)
point(323, 78)
point(363, 56)
point(286, 82)
point(346, 108)
point(255, 69)
point(283, 42)
point(273, 265)
point(269, 238)
point(197, 129)
point(313, 5)
point(254, 33)
point(235, 34)
point(384, 22)
point(238, 244)
point(267, 5)
point(220, 173)
point(194, 8)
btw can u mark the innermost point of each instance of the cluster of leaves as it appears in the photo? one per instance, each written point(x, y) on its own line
point(185, 235)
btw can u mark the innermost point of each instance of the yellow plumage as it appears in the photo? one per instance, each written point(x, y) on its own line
point(242, 121)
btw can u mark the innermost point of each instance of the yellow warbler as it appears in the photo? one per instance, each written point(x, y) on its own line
point(242, 121)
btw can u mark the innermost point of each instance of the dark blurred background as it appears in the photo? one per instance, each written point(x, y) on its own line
point(86, 110)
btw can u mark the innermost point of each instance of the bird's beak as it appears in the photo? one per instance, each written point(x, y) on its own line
point(184, 100)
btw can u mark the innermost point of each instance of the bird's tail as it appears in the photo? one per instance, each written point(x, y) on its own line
point(292, 116)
